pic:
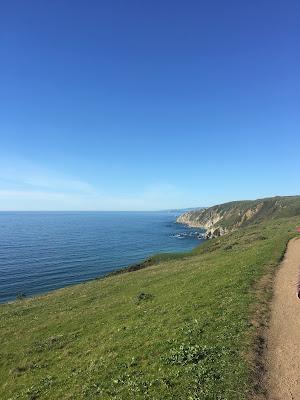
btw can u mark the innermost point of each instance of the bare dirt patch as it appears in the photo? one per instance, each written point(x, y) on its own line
point(283, 336)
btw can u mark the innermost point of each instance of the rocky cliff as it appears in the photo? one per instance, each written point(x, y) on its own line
point(224, 218)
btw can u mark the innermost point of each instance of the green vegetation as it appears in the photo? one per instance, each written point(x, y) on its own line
point(236, 214)
point(273, 207)
point(179, 329)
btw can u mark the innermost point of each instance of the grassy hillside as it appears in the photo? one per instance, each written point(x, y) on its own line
point(226, 217)
point(183, 328)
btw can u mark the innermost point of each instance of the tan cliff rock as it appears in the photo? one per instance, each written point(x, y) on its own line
point(224, 218)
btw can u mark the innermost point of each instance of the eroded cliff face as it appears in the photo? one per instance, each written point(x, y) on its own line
point(224, 218)
point(204, 219)
point(219, 220)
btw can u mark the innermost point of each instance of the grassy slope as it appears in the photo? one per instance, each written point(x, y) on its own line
point(176, 330)
point(273, 207)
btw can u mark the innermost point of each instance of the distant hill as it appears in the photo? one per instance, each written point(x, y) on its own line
point(221, 219)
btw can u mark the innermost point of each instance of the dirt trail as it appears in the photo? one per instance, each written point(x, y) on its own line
point(283, 340)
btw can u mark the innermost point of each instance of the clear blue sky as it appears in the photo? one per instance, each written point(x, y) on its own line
point(124, 105)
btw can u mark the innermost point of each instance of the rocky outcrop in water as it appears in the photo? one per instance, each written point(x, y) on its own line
point(203, 219)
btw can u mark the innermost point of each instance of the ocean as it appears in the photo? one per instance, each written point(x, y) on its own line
point(43, 251)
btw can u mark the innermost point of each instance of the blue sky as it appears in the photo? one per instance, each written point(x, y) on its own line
point(139, 105)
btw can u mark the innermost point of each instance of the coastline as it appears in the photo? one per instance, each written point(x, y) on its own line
point(148, 262)
point(154, 258)
point(108, 328)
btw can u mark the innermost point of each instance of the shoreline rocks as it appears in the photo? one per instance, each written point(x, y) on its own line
point(225, 218)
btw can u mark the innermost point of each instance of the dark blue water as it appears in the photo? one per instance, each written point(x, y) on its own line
point(42, 251)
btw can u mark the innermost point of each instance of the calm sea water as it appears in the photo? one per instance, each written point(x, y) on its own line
point(42, 251)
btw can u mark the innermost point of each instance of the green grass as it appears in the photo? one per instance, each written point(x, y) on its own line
point(179, 329)
point(233, 213)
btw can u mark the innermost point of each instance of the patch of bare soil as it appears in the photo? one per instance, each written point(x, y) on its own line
point(283, 336)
